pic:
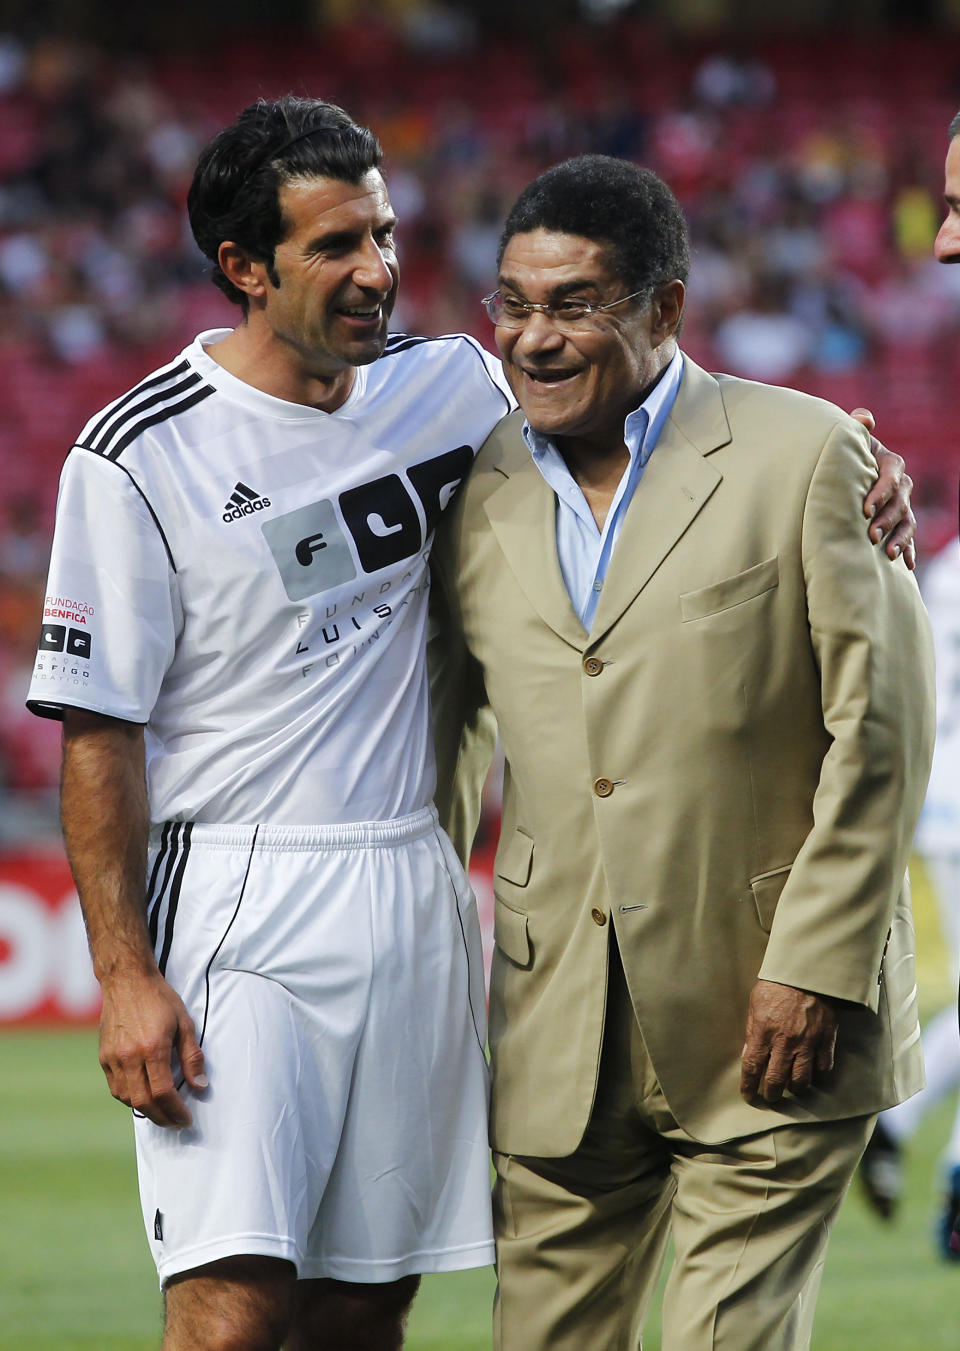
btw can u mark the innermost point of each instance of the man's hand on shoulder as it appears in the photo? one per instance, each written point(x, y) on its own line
point(887, 504)
point(143, 1022)
point(790, 1040)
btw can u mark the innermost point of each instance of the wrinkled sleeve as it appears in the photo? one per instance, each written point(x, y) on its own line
point(110, 615)
point(872, 645)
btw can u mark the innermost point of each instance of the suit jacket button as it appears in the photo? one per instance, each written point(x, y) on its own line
point(603, 787)
point(592, 665)
point(598, 917)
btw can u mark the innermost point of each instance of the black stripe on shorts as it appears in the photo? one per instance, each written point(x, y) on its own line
point(174, 900)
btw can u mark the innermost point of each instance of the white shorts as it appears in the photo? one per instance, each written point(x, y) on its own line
point(335, 979)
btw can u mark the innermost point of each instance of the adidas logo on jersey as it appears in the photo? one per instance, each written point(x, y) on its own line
point(243, 502)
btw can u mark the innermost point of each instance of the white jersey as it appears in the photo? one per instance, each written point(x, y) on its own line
point(248, 578)
point(939, 829)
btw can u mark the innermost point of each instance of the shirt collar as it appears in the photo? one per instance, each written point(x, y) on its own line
point(642, 427)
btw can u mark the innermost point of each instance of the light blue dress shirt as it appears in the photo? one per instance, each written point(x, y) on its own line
point(584, 550)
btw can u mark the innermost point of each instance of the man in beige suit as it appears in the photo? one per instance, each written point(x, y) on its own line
point(715, 704)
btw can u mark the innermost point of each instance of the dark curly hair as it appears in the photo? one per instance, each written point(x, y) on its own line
point(234, 193)
point(613, 202)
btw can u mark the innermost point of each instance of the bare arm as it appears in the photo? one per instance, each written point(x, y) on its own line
point(105, 825)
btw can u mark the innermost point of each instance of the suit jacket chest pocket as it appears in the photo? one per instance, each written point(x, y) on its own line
point(723, 649)
point(731, 592)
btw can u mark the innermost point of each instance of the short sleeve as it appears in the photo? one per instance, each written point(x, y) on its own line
point(110, 613)
point(493, 367)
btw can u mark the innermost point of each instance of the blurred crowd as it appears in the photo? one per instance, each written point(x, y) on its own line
point(810, 170)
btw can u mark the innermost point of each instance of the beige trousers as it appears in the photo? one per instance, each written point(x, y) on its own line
point(581, 1240)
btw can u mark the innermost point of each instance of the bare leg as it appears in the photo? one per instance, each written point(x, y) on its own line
point(238, 1304)
point(341, 1316)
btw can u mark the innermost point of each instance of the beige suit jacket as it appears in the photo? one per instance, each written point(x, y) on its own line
point(728, 769)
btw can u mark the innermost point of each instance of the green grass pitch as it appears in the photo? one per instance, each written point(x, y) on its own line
point(75, 1272)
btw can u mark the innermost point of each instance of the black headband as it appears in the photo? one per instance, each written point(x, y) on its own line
point(292, 140)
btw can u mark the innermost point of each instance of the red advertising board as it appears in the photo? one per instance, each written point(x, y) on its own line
point(45, 971)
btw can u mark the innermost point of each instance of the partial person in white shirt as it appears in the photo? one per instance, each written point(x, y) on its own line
point(938, 841)
point(881, 1171)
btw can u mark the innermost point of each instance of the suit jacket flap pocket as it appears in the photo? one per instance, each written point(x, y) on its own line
point(731, 591)
point(515, 859)
point(766, 891)
point(510, 934)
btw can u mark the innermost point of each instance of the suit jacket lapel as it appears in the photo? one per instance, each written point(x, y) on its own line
point(522, 514)
point(677, 481)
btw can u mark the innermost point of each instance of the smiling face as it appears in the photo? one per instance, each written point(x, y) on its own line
point(333, 284)
point(946, 247)
point(580, 386)
point(322, 306)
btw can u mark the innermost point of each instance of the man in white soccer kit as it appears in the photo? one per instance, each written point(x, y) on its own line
point(235, 638)
point(274, 651)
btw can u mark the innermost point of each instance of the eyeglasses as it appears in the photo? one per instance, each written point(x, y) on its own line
point(509, 311)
